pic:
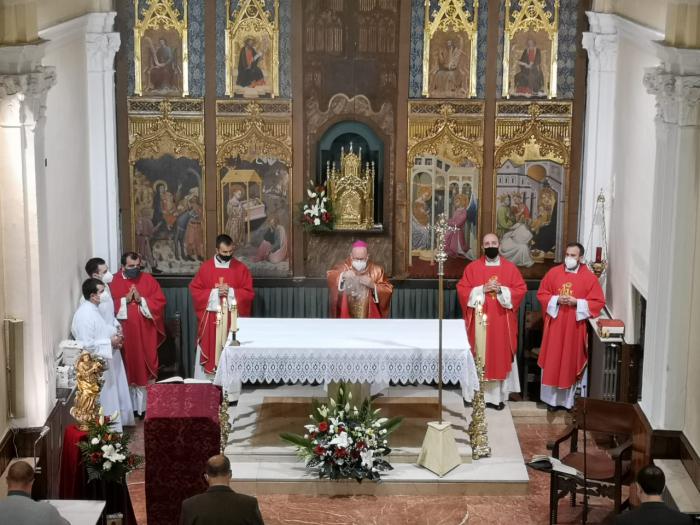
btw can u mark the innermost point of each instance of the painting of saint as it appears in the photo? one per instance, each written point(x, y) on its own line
point(529, 220)
point(255, 212)
point(251, 71)
point(420, 218)
point(449, 65)
point(168, 220)
point(161, 62)
point(530, 56)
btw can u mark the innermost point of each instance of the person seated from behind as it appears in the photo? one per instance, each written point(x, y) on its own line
point(19, 508)
point(220, 505)
point(653, 510)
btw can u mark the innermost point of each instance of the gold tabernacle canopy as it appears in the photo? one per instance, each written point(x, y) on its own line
point(351, 191)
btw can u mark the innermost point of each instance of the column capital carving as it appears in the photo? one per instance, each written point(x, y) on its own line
point(677, 96)
point(602, 51)
point(27, 93)
point(101, 48)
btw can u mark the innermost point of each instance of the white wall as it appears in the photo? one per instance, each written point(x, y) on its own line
point(692, 414)
point(633, 175)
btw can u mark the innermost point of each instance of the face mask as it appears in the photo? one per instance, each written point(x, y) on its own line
point(107, 277)
point(223, 258)
point(359, 265)
point(570, 262)
point(132, 273)
point(491, 252)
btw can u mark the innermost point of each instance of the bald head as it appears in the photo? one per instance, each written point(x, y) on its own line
point(218, 470)
point(20, 477)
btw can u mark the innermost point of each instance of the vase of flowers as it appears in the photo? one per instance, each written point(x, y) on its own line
point(105, 452)
point(316, 214)
point(344, 441)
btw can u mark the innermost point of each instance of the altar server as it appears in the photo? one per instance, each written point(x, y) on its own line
point(218, 278)
point(495, 283)
point(358, 288)
point(104, 340)
point(569, 295)
point(140, 306)
point(97, 268)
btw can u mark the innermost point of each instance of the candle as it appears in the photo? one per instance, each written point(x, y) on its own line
point(234, 316)
point(598, 254)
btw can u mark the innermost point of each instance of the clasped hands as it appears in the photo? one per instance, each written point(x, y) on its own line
point(223, 289)
point(492, 286)
point(133, 295)
point(364, 280)
point(117, 340)
point(567, 300)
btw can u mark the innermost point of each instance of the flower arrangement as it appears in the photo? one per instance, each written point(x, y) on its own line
point(105, 452)
point(316, 211)
point(345, 442)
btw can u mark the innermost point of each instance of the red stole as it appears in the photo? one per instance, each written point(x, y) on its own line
point(502, 326)
point(564, 351)
point(142, 336)
point(236, 276)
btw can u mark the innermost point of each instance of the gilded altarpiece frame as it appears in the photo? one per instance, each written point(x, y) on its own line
point(254, 166)
point(450, 50)
point(445, 160)
point(531, 182)
point(163, 70)
point(166, 183)
point(252, 50)
point(530, 47)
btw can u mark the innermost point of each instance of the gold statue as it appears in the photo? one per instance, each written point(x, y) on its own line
point(351, 191)
point(88, 371)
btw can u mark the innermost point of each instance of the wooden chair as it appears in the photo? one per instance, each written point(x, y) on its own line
point(169, 353)
point(607, 470)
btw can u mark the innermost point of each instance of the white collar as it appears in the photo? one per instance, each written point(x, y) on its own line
point(219, 264)
point(495, 262)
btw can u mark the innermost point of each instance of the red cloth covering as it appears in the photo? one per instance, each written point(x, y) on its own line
point(236, 276)
point(72, 472)
point(142, 336)
point(502, 323)
point(181, 432)
point(564, 351)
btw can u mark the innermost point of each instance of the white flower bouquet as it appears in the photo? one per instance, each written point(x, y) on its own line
point(345, 442)
point(316, 211)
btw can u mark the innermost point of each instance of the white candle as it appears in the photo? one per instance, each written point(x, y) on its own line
point(234, 317)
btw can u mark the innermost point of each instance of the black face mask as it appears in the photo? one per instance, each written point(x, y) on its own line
point(132, 273)
point(224, 258)
point(491, 252)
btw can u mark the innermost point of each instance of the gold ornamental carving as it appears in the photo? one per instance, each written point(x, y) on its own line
point(351, 191)
point(253, 25)
point(160, 15)
point(452, 23)
point(88, 372)
point(532, 19)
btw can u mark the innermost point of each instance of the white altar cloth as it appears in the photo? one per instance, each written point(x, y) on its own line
point(375, 351)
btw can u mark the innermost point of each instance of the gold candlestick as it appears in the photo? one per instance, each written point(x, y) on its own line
point(478, 428)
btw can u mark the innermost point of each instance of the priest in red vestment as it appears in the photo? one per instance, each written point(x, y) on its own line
point(497, 284)
point(357, 287)
point(139, 304)
point(218, 278)
point(569, 294)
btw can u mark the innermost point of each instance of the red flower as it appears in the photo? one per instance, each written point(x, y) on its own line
point(95, 457)
point(107, 420)
point(108, 437)
point(341, 453)
point(360, 445)
point(319, 450)
point(323, 426)
point(313, 435)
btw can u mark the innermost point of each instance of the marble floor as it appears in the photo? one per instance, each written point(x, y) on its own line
point(533, 427)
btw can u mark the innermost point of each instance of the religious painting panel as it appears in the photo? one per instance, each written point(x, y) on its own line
point(254, 163)
point(531, 183)
point(252, 49)
point(450, 49)
point(166, 159)
point(160, 50)
point(445, 150)
point(530, 44)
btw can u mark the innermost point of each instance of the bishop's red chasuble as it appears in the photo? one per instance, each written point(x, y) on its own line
point(344, 305)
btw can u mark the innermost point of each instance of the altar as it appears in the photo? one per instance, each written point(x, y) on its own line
point(377, 352)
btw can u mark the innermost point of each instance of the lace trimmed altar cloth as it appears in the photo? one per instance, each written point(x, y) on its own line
point(375, 351)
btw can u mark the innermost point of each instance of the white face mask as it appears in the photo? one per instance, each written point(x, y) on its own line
point(570, 262)
point(359, 265)
point(107, 277)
